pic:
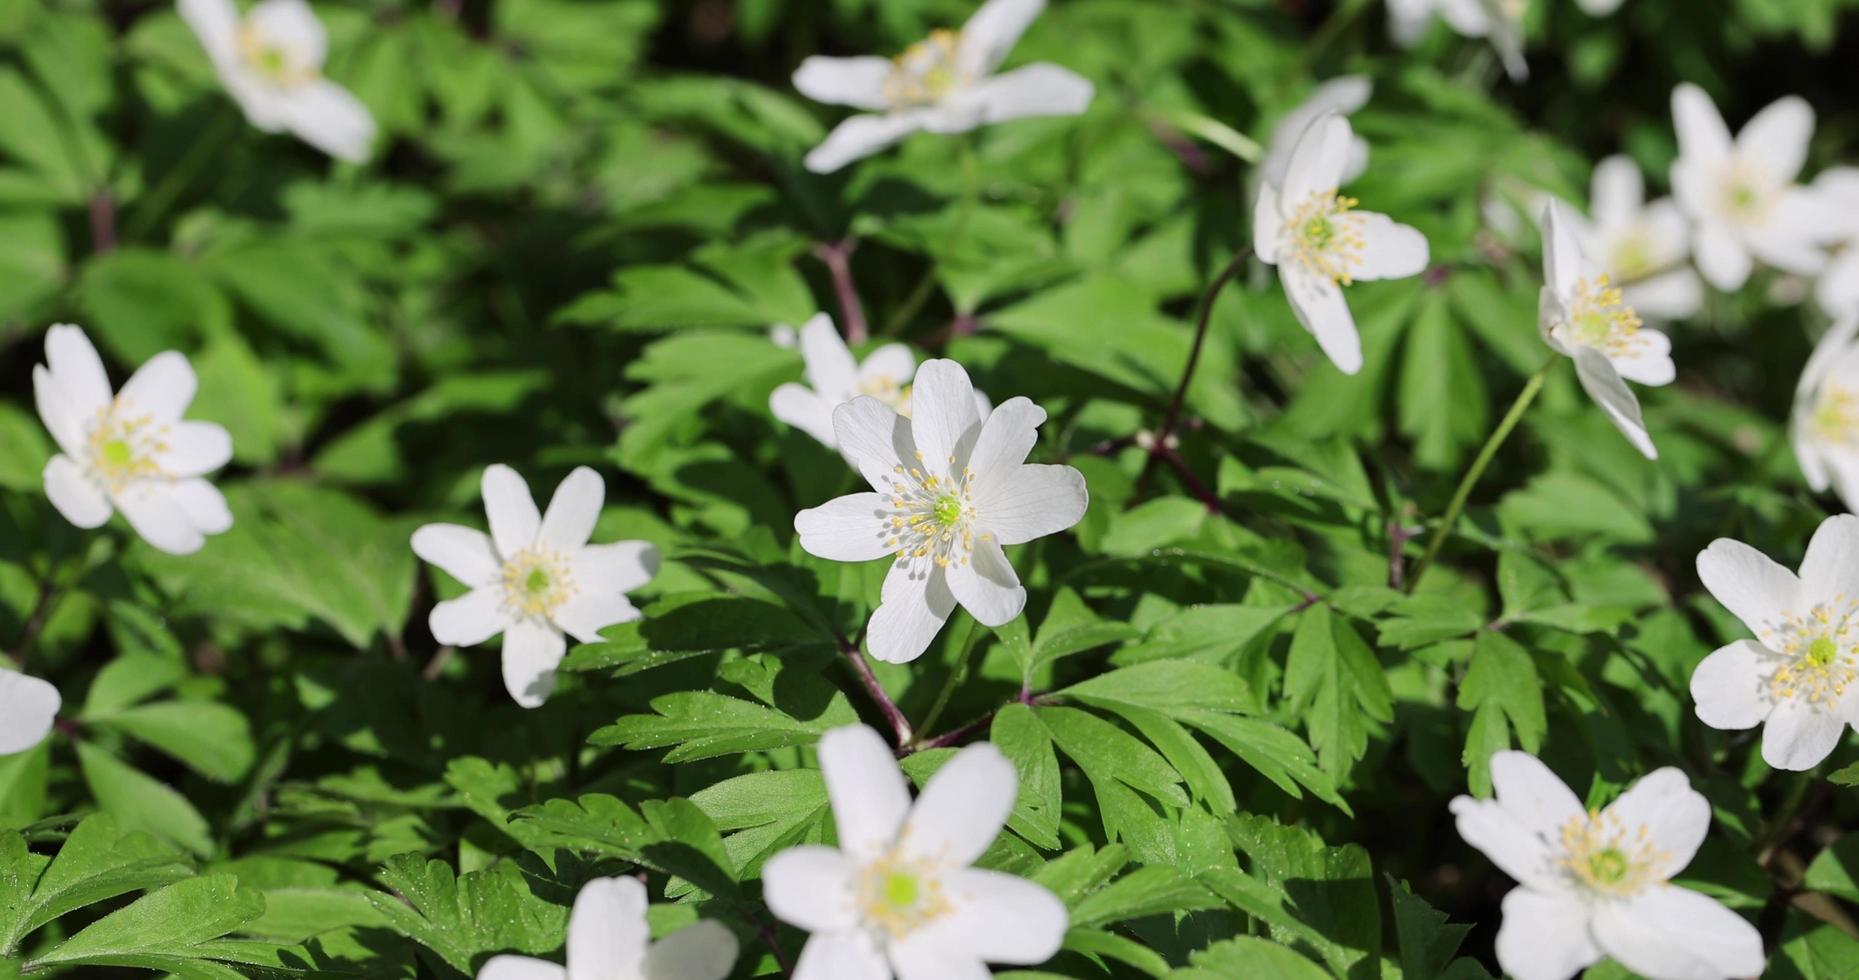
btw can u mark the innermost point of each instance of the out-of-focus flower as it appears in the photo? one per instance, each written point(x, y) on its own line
point(945, 84)
point(608, 939)
point(949, 491)
point(835, 377)
point(1598, 883)
point(1837, 192)
point(129, 451)
point(534, 577)
point(1641, 247)
point(1321, 244)
point(898, 897)
point(1825, 422)
point(1583, 316)
point(271, 62)
point(1499, 21)
point(1341, 96)
point(27, 707)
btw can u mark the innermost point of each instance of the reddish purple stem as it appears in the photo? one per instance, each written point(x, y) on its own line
point(838, 259)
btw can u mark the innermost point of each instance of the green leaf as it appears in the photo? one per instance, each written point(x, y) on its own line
point(465, 918)
point(1248, 956)
point(1017, 732)
point(98, 861)
point(143, 803)
point(1334, 682)
point(1332, 891)
point(763, 813)
point(675, 836)
point(213, 739)
point(704, 725)
point(1172, 687)
point(1502, 690)
point(163, 930)
point(1427, 941)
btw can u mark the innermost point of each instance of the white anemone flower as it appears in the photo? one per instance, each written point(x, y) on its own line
point(1585, 317)
point(1838, 288)
point(534, 577)
point(1499, 21)
point(949, 490)
point(271, 62)
point(1320, 243)
point(945, 84)
point(1796, 677)
point(1741, 194)
point(28, 706)
point(129, 451)
point(1341, 96)
point(835, 377)
point(898, 897)
point(1825, 423)
point(1642, 247)
point(608, 939)
point(1599, 8)
point(1594, 883)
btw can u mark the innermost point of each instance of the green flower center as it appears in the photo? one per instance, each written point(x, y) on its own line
point(1319, 232)
point(538, 581)
point(117, 453)
point(1608, 866)
point(901, 890)
point(1822, 651)
point(948, 509)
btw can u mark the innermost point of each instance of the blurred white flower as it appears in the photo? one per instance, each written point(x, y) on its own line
point(1641, 247)
point(1585, 317)
point(608, 939)
point(1741, 194)
point(1599, 8)
point(1340, 96)
point(1320, 244)
point(1825, 424)
point(271, 62)
point(836, 377)
point(783, 336)
point(1499, 21)
point(1597, 883)
point(1795, 677)
point(534, 576)
point(945, 84)
point(130, 451)
point(28, 706)
point(951, 489)
point(898, 895)
point(1837, 193)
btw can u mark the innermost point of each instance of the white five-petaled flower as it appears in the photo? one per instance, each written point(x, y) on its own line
point(1838, 193)
point(271, 62)
point(1594, 883)
point(945, 84)
point(1320, 243)
point(1499, 21)
point(1586, 318)
point(1642, 247)
point(1338, 95)
point(836, 377)
point(949, 491)
point(28, 706)
point(608, 939)
point(1741, 194)
point(131, 450)
point(898, 895)
point(1796, 677)
point(1825, 423)
point(534, 576)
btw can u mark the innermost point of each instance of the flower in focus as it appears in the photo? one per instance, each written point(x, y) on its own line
point(271, 62)
point(834, 377)
point(1837, 191)
point(898, 895)
point(129, 451)
point(1641, 247)
point(1320, 243)
point(1795, 677)
point(1825, 423)
point(1585, 317)
point(1341, 96)
point(945, 84)
point(608, 939)
point(27, 707)
point(949, 491)
point(1741, 194)
point(534, 577)
point(1500, 21)
point(1594, 883)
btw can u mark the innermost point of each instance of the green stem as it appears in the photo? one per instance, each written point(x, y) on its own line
point(956, 673)
point(156, 202)
point(1485, 455)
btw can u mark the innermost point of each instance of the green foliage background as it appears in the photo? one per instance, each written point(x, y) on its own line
point(1236, 741)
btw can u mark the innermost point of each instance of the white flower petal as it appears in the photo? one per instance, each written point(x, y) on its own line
point(1544, 936)
point(916, 603)
point(812, 888)
point(855, 82)
point(798, 406)
point(573, 511)
point(520, 968)
point(855, 527)
point(876, 439)
point(891, 364)
point(531, 652)
point(866, 788)
point(1320, 307)
point(1516, 850)
point(195, 449)
point(67, 425)
point(204, 505)
point(163, 387)
point(618, 567)
point(703, 950)
point(1702, 134)
point(585, 615)
point(1845, 473)
point(1533, 794)
point(607, 931)
point(1390, 250)
point(511, 510)
point(1031, 502)
point(471, 618)
point(943, 420)
point(841, 956)
point(963, 807)
point(860, 137)
point(1618, 191)
point(79, 499)
point(1776, 138)
point(1676, 817)
point(999, 918)
point(1321, 156)
point(1006, 438)
point(1024, 93)
point(1340, 95)
point(1799, 735)
point(1649, 362)
point(292, 24)
point(916, 957)
point(28, 707)
point(1838, 288)
point(1727, 686)
point(1830, 570)
point(77, 370)
point(1722, 259)
point(1752, 586)
point(1267, 224)
point(157, 515)
point(1564, 261)
point(1678, 934)
point(1599, 8)
point(992, 32)
point(831, 369)
point(330, 118)
point(1603, 383)
point(216, 24)
point(464, 553)
point(986, 585)
point(1674, 295)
